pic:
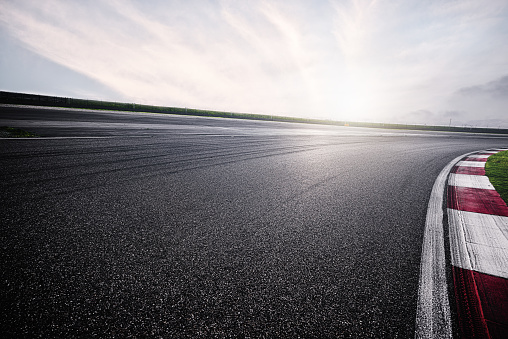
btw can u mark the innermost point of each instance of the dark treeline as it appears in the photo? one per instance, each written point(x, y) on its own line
point(52, 101)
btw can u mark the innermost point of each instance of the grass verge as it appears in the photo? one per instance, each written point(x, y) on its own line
point(497, 171)
point(11, 132)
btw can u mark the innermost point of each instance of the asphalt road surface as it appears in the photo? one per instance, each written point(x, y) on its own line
point(149, 225)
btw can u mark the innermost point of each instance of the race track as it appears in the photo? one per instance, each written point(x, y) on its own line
point(131, 225)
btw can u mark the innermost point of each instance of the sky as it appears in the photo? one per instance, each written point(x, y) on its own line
point(401, 61)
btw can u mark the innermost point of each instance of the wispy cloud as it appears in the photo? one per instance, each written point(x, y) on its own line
point(355, 22)
point(124, 48)
point(350, 59)
point(497, 88)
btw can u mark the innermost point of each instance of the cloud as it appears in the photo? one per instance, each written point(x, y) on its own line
point(127, 49)
point(250, 58)
point(497, 88)
point(346, 60)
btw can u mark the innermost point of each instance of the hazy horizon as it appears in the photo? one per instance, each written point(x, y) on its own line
point(380, 61)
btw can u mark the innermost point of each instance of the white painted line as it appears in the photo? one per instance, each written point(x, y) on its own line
point(433, 318)
point(480, 156)
point(479, 242)
point(473, 181)
point(471, 164)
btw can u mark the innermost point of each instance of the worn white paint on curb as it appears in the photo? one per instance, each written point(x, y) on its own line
point(479, 242)
point(433, 319)
point(479, 156)
point(480, 164)
point(472, 181)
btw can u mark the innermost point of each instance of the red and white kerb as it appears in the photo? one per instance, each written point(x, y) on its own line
point(478, 228)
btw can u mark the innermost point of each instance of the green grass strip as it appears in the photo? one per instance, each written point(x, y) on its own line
point(11, 132)
point(496, 170)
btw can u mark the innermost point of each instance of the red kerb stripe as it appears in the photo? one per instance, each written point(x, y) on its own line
point(468, 170)
point(493, 293)
point(472, 322)
point(476, 200)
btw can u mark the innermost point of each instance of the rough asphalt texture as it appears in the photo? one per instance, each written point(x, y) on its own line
point(194, 227)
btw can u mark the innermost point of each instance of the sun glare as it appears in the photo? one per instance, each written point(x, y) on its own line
point(359, 94)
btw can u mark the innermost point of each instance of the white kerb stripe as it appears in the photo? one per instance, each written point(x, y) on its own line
point(473, 181)
point(480, 156)
point(471, 164)
point(479, 242)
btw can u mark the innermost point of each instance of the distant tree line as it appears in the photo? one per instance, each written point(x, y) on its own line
point(53, 101)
